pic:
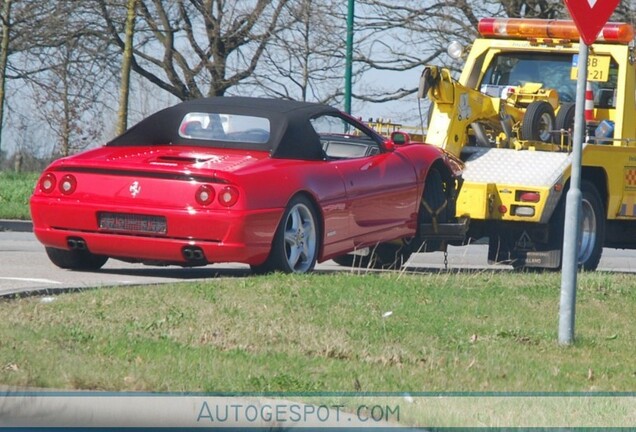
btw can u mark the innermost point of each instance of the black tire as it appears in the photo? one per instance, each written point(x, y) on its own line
point(592, 229)
point(385, 256)
point(296, 242)
point(592, 235)
point(538, 122)
point(75, 260)
point(565, 121)
point(434, 208)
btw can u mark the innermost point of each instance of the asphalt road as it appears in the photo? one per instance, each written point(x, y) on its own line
point(24, 266)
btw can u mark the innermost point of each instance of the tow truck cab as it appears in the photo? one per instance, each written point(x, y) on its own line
point(510, 118)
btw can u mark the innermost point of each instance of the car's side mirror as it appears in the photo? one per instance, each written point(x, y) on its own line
point(400, 138)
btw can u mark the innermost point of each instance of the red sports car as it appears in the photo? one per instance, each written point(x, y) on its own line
point(275, 184)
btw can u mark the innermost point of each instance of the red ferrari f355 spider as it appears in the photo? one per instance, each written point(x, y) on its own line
point(275, 184)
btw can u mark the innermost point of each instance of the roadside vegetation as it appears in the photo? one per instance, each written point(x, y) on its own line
point(471, 331)
point(15, 191)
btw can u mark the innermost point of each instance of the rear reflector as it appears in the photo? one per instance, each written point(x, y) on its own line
point(529, 197)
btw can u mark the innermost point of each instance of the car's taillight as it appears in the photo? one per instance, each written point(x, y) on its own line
point(68, 184)
point(48, 182)
point(228, 196)
point(204, 195)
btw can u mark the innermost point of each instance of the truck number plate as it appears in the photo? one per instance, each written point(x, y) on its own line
point(597, 68)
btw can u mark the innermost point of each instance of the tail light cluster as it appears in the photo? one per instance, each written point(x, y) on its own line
point(66, 185)
point(227, 196)
point(526, 197)
point(525, 207)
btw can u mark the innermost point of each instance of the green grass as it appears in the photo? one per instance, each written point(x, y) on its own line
point(15, 191)
point(327, 332)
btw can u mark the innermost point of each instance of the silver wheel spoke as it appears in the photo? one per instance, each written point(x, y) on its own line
point(294, 256)
point(300, 238)
point(290, 238)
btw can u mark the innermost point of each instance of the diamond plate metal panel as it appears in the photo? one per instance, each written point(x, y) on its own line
point(514, 167)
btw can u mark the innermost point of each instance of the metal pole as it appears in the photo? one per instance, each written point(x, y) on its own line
point(573, 210)
point(349, 57)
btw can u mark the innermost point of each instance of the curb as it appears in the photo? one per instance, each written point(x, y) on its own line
point(16, 225)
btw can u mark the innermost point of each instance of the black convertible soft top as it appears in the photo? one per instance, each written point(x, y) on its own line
point(291, 134)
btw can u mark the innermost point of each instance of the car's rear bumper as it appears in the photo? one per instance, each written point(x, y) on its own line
point(223, 236)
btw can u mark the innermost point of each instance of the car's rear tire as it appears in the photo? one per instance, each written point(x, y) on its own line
point(75, 260)
point(296, 242)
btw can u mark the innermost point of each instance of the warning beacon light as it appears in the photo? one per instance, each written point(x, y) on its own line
point(526, 28)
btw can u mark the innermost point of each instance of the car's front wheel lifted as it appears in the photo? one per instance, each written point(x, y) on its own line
point(296, 241)
point(75, 259)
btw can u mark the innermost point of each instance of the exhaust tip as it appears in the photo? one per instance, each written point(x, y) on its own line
point(76, 243)
point(193, 255)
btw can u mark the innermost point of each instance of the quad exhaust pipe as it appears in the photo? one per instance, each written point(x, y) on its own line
point(193, 254)
point(76, 244)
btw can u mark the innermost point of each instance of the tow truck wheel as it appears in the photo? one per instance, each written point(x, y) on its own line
point(592, 231)
point(538, 122)
point(592, 227)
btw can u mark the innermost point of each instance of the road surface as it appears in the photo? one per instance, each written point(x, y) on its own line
point(24, 267)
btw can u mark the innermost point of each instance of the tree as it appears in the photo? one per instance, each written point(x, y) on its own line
point(196, 48)
point(72, 76)
point(21, 28)
point(5, 16)
point(68, 98)
point(126, 65)
point(306, 61)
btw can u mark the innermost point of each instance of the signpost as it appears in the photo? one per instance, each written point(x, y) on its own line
point(349, 56)
point(589, 16)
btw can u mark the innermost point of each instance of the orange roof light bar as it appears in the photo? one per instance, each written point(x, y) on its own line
point(523, 28)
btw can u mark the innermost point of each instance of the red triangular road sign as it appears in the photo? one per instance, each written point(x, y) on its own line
point(590, 16)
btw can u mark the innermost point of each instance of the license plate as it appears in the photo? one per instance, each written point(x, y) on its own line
point(124, 222)
point(598, 68)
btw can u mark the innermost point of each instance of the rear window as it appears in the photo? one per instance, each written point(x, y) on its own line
point(225, 127)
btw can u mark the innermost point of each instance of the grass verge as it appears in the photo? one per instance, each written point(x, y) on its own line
point(326, 332)
point(15, 191)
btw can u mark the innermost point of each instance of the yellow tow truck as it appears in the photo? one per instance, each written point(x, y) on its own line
point(509, 117)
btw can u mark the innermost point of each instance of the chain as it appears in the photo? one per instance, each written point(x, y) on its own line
point(445, 261)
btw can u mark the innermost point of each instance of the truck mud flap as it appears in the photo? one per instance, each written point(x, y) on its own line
point(535, 259)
